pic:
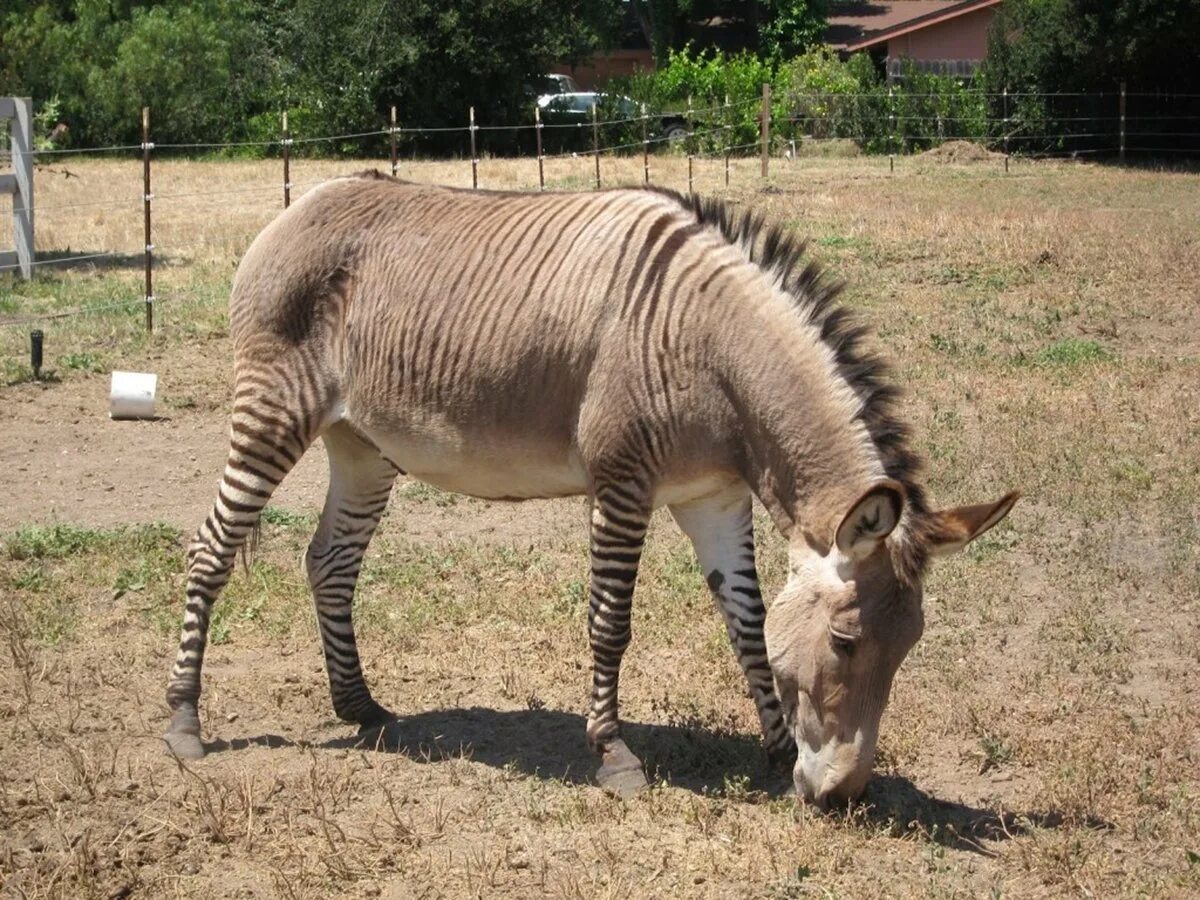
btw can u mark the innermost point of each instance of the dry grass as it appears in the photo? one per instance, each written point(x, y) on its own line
point(1042, 738)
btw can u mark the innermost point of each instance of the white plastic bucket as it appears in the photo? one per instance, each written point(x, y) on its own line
point(132, 395)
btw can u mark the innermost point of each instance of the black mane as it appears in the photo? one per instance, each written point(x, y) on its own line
point(782, 256)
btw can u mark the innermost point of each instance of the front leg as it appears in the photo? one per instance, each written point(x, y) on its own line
point(618, 532)
point(721, 529)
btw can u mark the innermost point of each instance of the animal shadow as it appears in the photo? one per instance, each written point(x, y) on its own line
point(551, 744)
point(896, 803)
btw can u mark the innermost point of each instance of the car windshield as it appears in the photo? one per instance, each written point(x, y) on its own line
point(557, 84)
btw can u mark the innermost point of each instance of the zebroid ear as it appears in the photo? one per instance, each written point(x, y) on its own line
point(953, 529)
point(871, 519)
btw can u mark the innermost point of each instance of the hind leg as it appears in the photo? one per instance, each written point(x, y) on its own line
point(360, 482)
point(265, 443)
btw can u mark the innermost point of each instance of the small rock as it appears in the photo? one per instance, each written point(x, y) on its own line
point(232, 717)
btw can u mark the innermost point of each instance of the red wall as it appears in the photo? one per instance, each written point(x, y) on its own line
point(604, 67)
point(964, 37)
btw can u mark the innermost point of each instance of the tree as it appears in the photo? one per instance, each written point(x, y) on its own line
point(774, 28)
point(222, 70)
point(342, 65)
point(1088, 45)
point(793, 27)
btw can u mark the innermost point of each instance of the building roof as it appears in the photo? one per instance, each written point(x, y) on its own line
point(864, 23)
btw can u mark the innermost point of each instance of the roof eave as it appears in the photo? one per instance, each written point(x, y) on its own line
point(933, 18)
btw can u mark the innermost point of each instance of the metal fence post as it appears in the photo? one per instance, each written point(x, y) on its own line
point(286, 143)
point(1006, 128)
point(1121, 149)
point(146, 198)
point(474, 161)
point(891, 117)
point(392, 135)
point(690, 143)
point(596, 145)
point(537, 119)
point(728, 138)
point(645, 148)
point(765, 128)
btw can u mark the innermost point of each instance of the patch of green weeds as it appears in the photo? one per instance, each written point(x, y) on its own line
point(32, 578)
point(1070, 352)
point(570, 599)
point(420, 492)
point(1133, 473)
point(56, 541)
point(285, 518)
point(83, 362)
point(954, 347)
point(997, 541)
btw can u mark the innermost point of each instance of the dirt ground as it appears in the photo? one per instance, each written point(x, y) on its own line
point(1043, 738)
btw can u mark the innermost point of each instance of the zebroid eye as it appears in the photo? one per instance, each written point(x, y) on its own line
point(842, 644)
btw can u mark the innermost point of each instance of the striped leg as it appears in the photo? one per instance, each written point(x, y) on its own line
point(360, 482)
point(721, 529)
point(618, 530)
point(265, 443)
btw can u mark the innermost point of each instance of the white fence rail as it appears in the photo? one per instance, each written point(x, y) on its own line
point(16, 117)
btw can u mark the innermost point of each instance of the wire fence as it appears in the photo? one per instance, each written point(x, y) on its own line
point(1035, 126)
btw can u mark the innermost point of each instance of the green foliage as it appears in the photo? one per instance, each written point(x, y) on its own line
point(793, 27)
point(814, 95)
point(224, 70)
point(44, 120)
point(828, 98)
point(707, 78)
point(1092, 45)
point(194, 63)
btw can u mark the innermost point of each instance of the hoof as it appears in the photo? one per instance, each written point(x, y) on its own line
point(369, 716)
point(184, 745)
point(374, 716)
point(183, 734)
point(621, 772)
point(383, 735)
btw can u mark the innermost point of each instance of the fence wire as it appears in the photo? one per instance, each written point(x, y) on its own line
point(716, 138)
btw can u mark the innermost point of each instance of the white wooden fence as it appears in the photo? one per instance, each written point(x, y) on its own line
point(16, 114)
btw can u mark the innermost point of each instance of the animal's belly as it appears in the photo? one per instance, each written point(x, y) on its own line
point(491, 470)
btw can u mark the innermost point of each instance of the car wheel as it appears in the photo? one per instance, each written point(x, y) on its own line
point(675, 131)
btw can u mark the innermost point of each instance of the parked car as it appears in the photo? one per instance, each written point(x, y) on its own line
point(549, 85)
point(575, 108)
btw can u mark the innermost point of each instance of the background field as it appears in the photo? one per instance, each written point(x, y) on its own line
point(1043, 738)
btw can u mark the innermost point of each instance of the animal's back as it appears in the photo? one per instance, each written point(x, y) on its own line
point(463, 328)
